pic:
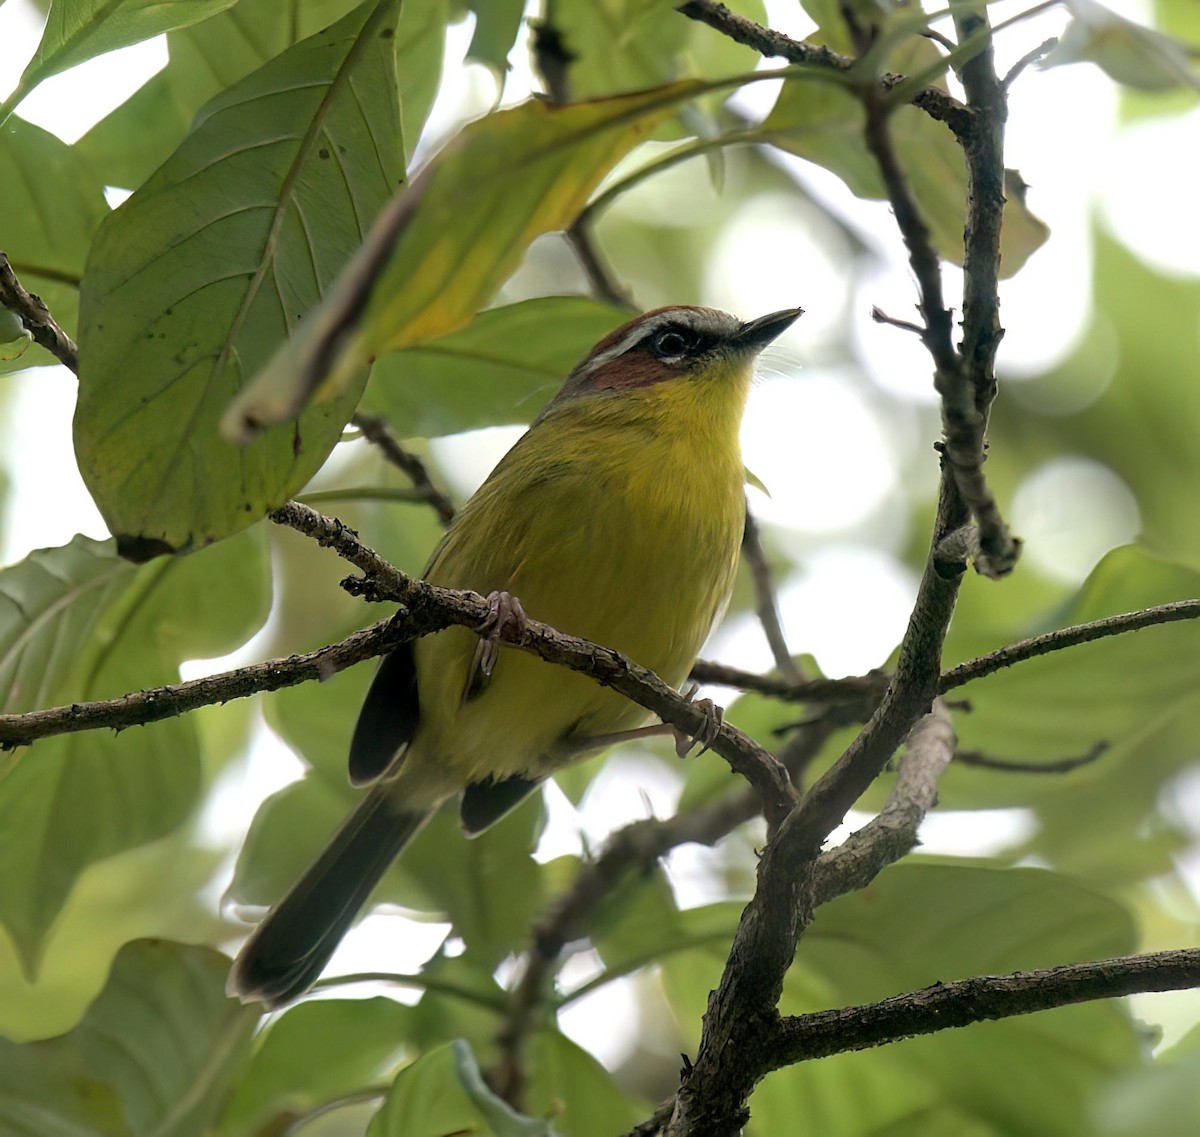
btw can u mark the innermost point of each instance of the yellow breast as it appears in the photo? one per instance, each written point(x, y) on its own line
point(617, 519)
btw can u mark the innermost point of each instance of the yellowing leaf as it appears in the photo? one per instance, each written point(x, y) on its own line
point(447, 242)
point(823, 122)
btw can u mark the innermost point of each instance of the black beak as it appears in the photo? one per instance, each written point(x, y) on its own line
point(755, 335)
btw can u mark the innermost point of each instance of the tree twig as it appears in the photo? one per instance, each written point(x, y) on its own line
point(601, 280)
point(36, 317)
point(893, 831)
point(850, 689)
point(141, 707)
point(1065, 638)
point(1030, 57)
point(1017, 766)
point(630, 850)
point(769, 43)
point(376, 431)
point(984, 997)
point(968, 394)
point(765, 606)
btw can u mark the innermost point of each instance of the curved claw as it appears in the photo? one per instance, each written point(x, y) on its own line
point(714, 716)
point(504, 612)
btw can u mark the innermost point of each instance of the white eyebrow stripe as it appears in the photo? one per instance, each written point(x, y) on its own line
point(698, 319)
point(633, 336)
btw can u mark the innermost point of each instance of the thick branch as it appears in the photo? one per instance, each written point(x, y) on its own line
point(36, 318)
point(975, 1000)
point(967, 403)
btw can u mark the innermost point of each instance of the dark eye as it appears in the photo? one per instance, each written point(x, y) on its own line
point(671, 343)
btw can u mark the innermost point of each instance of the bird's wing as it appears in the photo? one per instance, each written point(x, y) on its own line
point(388, 719)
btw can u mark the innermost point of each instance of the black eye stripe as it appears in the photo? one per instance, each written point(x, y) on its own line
point(674, 342)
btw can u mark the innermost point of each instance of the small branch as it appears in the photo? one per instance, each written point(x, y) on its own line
point(881, 317)
point(968, 393)
point(141, 707)
point(1030, 57)
point(376, 431)
point(937, 332)
point(552, 59)
point(36, 318)
point(1064, 638)
point(630, 850)
point(892, 833)
point(601, 280)
point(933, 101)
point(430, 608)
point(1015, 766)
point(802, 1037)
point(765, 606)
point(851, 689)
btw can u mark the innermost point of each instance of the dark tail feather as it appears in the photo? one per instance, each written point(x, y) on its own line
point(290, 948)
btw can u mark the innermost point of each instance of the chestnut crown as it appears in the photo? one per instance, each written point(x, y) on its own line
point(671, 342)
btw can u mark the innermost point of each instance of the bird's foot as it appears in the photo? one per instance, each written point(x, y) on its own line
point(714, 716)
point(505, 616)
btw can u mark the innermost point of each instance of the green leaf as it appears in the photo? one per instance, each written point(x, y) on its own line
point(14, 339)
point(196, 279)
point(1122, 690)
point(569, 1085)
point(46, 247)
point(154, 1054)
point(621, 45)
point(154, 891)
point(497, 25)
point(634, 939)
point(925, 922)
point(489, 887)
point(823, 122)
point(500, 368)
point(78, 623)
point(502, 1119)
point(1162, 1098)
point(313, 1054)
point(77, 30)
point(443, 247)
point(427, 1099)
point(128, 144)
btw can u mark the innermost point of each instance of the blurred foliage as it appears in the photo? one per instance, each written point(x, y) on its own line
point(258, 158)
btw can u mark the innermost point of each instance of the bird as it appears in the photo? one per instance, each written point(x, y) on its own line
point(617, 517)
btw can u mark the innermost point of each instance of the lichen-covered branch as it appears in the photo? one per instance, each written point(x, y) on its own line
point(36, 317)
